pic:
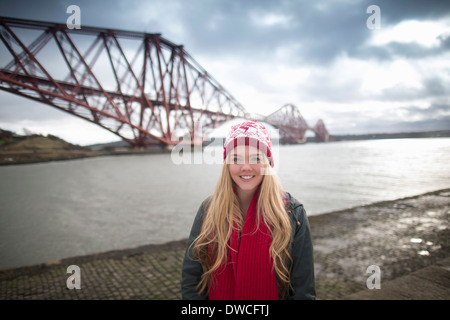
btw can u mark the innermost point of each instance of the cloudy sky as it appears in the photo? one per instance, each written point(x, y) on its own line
point(318, 55)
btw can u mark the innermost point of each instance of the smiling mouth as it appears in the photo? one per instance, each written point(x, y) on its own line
point(246, 178)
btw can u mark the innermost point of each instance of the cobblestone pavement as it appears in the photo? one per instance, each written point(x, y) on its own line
point(399, 236)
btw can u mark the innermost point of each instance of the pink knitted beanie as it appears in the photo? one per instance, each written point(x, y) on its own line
point(251, 133)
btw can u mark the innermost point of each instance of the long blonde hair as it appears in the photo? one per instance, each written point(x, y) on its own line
point(211, 246)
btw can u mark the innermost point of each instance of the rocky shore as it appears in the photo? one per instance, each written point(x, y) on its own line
point(401, 237)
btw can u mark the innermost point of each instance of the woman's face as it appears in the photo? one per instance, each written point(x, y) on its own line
point(246, 167)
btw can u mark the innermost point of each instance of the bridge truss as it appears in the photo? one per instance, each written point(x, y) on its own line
point(140, 86)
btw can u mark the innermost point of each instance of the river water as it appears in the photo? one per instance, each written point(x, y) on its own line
point(69, 208)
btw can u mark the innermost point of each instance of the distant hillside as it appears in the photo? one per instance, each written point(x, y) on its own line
point(15, 149)
point(37, 142)
point(108, 145)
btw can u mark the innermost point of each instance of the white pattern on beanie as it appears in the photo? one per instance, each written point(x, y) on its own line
point(249, 132)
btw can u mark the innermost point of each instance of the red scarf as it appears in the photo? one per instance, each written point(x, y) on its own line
point(248, 273)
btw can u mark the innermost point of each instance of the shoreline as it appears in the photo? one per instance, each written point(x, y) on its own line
point(326, 216)
point(402, 236)
point(40, 156)
point(20, 157)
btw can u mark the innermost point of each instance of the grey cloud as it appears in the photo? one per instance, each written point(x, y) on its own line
point(322, 34)
point(323, 30)
point(14, 108)
point(434, 111)
point(349, 90)
point(432, 88)
point(392, 12)
point(390, 126)
point(414, 119)
point(412, 50)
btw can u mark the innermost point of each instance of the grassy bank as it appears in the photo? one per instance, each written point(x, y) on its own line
point(16, 149)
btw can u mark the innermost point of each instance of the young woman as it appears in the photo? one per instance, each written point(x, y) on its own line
point(250, 240)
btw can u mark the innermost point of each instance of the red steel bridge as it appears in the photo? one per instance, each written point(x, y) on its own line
point(140, 86)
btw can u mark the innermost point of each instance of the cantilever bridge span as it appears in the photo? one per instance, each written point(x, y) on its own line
point(140, 86)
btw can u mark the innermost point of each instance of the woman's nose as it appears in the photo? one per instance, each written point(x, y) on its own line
point(246, 166)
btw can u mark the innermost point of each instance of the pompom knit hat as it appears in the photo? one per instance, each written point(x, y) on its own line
point(251, 133)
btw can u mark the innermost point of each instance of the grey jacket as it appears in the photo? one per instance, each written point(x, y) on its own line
point(301, 251)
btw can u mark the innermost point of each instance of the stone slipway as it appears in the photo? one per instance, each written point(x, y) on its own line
point(429, 283)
